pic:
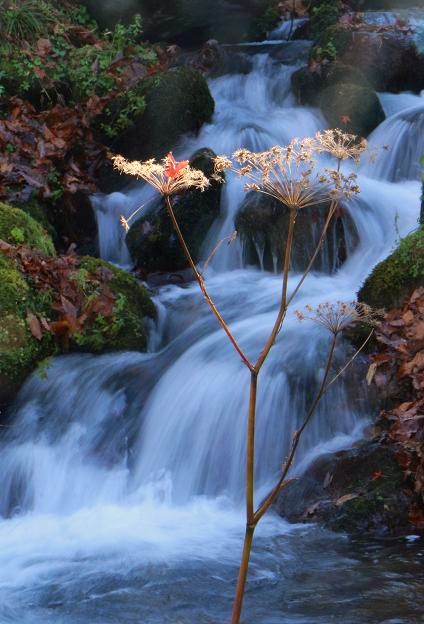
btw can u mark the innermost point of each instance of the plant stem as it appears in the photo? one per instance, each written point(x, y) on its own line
point(266, 504)
point(241, 581)
point(283, 305)
point(320, 243)
point(201, 283)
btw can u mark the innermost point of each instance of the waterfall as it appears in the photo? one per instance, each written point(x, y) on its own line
point(399, 146)
point(128, 461)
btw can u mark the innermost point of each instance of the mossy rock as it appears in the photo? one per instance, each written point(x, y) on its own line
point(125, 330)
point(395, 278)
point(38, 212)
point(308, 84)
point(354, 107)
point(262, 224)
point(151, 240)
point(20, 350)
point(19, 228)
point(177, 101)
point(359, 490)
point(389, 60)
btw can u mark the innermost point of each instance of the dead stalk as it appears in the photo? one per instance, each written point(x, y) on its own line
point(288, 175)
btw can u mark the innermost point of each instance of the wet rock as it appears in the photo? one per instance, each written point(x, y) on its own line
point(359, 490)
point(262, 224)
point(344, 95)
point(74, 222)
point(177, 101)
point(353, 107)
point(390, 61)
point(151, 240)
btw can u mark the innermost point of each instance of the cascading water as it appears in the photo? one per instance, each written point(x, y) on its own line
point(123, 474)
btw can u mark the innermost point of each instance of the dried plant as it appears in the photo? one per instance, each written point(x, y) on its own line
point(338, 316)
point(167, 177)
point(292, 175)
point(340, 145)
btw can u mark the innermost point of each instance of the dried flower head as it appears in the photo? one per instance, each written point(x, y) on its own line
point(168, 177)
point(290, 174)
point(341, 145)
point(336, 317)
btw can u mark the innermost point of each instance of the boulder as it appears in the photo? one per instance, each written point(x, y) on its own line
point(19, 228)
point(396, 278)
point(353, 107)
point(177, 101)
point(359, 491)
point(151, 240)
point(389, 60)
point(344, 95)
point(262, 225)
point(21, 349)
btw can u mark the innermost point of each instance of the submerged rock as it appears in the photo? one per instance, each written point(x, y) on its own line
point(151, 240)
point(262, 224)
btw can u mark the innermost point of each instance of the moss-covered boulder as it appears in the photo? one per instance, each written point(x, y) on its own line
point(19, 350)
point(353, 107)
point(19, 228)
point(309, 84)
point(151, 240)
point(177, 101)
point(262, 224)
point(396, 277)
point(358, 490)
point(344, 95)
point(389, 60)
point(29, 310)
point(125, 329)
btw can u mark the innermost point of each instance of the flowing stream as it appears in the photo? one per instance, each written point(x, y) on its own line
point(123, 474)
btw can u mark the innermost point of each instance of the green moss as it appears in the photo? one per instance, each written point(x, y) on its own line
point(34, 209)
point(396, 277)
point(19, 350)
point(125, 330)
point(17, 227)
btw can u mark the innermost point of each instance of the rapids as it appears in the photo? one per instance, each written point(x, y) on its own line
point(123, 474)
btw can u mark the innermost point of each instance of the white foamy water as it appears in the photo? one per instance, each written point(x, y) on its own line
point(127, 462)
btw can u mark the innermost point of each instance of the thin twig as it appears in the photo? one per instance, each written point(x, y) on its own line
point(201, 283)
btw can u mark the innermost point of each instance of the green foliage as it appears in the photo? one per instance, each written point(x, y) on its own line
point(17, 227)
point(75, 69)
point(24, 20)
point(396, 277)
point(324, 16)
